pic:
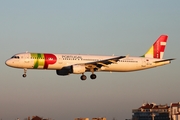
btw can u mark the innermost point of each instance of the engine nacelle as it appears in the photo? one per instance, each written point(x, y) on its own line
point(76, 69)
point(64, 71)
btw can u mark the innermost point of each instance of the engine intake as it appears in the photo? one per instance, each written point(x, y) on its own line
point(76, 69)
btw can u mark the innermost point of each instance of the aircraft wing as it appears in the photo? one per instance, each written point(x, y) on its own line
point(164, 60)
point(105, 62)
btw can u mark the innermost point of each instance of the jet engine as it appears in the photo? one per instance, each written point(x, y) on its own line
point(75, 69)
point(78, 69)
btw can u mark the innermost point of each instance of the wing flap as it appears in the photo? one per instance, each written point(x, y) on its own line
point(99, 64)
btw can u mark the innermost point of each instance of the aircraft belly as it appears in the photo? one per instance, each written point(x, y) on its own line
point(54, 67)
point(28, 65)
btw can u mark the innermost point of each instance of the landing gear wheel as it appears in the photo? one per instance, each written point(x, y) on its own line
point(93, 76)
point(24, 75)
point(83, 77)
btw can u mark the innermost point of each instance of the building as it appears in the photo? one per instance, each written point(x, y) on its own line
point(100, 118)
point(175, 111)
point(36, 118)
point(151, 112)
point(177, 116)
point(81, 118)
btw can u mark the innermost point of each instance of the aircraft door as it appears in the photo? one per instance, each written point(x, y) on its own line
point(60, 61)
point(16, 61)
point(27, 61)
point(144, 62)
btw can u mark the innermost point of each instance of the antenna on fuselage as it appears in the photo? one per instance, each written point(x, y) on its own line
point(127, 56)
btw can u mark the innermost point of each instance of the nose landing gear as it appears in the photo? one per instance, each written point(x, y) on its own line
point(24, 75)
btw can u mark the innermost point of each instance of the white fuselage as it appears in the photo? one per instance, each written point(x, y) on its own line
point(65, 64)
point(27, 61)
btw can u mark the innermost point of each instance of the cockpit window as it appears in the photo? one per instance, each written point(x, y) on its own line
point(16, 57)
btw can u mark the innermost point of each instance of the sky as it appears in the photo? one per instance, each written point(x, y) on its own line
point(102, 27)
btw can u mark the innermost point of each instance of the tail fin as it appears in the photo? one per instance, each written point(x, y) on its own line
point(158, 48)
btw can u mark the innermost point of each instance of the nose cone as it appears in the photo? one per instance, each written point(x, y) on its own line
point(8, 62)
point(12, 63)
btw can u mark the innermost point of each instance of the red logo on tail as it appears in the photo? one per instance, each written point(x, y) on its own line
point(159, 46)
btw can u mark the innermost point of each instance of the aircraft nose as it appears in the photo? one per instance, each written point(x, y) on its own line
point(8, 62)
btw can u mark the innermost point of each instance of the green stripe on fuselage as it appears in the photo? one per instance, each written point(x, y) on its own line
point(38, 59)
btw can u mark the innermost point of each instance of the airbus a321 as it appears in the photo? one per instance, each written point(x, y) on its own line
point(65, 64)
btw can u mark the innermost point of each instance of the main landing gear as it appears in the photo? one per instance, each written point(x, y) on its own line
point(83, 77)
point(92, 76)
point(24, 75)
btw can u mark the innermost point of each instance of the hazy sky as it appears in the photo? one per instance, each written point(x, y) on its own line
point(88, 27)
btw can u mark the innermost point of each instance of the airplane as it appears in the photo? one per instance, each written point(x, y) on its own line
point(66, 64)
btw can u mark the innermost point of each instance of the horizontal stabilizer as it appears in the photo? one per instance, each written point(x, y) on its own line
point(164, 60)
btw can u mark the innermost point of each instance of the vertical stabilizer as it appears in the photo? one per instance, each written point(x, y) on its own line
point(158, 48)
